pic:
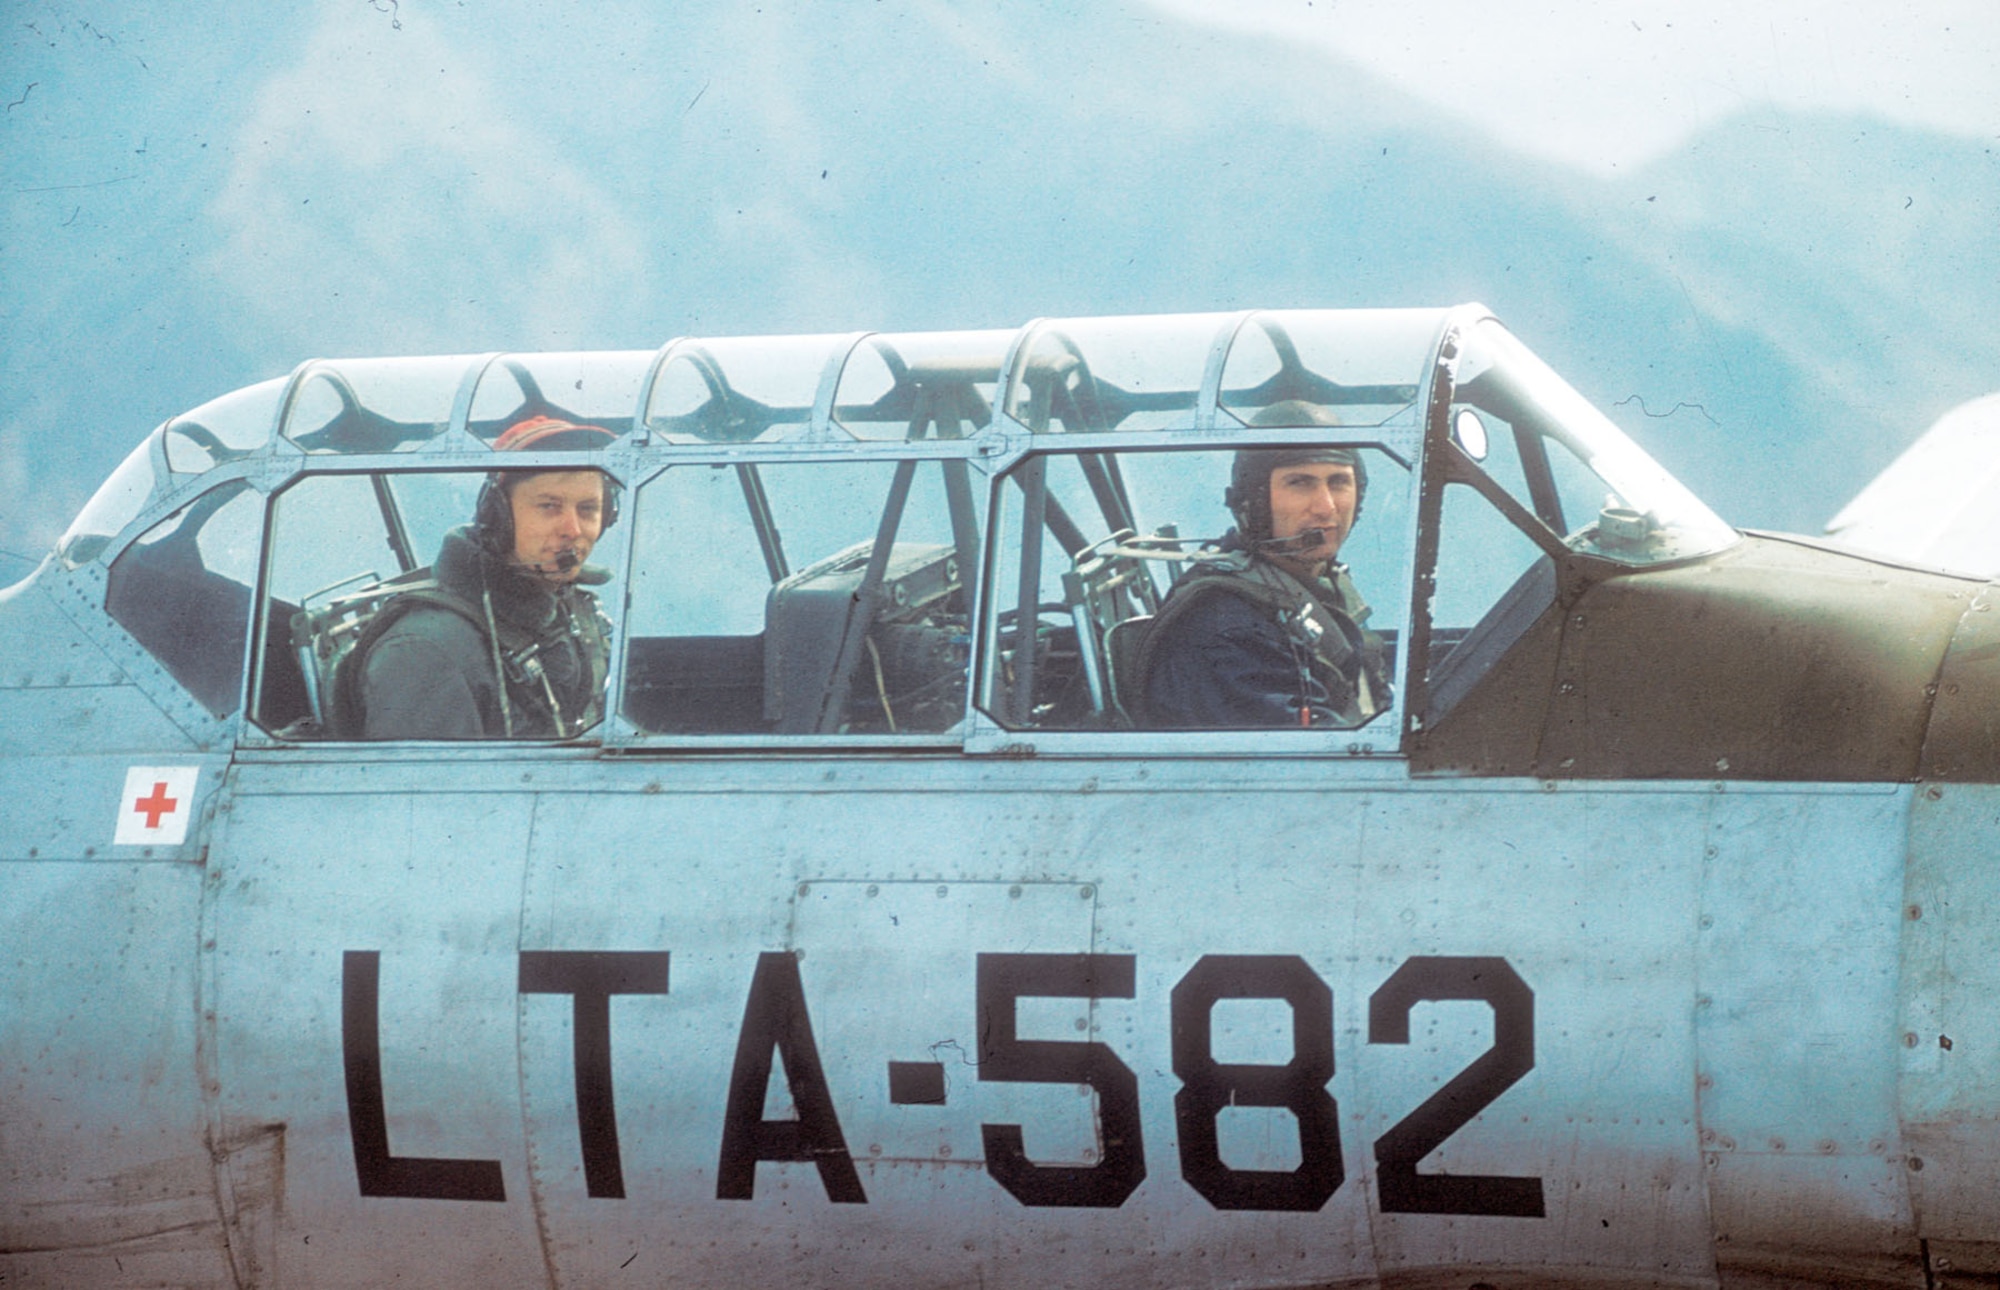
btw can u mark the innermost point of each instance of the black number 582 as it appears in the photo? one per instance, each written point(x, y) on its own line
point(1299, 1085)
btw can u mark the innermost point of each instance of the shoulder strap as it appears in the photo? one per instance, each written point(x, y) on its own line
point(348, 713)
point(597, 637)
point(1287, 600)
point(1195, 586)
point(1199, 583)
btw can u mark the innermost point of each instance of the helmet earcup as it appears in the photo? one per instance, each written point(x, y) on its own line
point(493, 517)
point(1249, 507)
point(613, 490)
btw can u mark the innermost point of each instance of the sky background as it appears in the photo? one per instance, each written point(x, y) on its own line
point(1761, 236)
point(1614, 85)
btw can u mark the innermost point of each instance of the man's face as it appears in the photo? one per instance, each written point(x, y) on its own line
point(1313, 495)
point(557, 512)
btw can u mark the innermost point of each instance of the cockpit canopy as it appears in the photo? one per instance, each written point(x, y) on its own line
point(909, 535)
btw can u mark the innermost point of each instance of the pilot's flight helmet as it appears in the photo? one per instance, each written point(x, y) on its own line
point(493, 517)
point(1248, 496)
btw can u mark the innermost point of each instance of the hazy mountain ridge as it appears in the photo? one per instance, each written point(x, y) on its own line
point(1858, 255)
point(1786, 301)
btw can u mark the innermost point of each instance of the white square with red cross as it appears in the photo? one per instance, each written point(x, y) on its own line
point(155, 808)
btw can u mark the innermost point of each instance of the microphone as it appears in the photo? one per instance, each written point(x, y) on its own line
point(587, 575)
point(1302, 541)
point(565, 560)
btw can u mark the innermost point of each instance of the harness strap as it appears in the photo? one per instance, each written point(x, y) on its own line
point(1317, 631)
point(510, 645)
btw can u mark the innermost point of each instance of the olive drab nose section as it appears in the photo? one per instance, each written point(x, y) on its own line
point(1962, 742)
point(1776, 660)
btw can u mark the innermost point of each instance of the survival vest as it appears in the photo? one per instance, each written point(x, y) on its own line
point(1328, 639)
point(523, 678)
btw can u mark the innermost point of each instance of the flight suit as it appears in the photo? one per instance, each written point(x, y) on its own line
point(1242, 644)
point(429, 668)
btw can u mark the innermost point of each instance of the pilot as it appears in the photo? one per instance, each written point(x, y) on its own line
point(509, 644)
point(1266, 628)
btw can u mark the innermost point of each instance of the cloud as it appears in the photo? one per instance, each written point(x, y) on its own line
point(1608, 86)
point(388, 195)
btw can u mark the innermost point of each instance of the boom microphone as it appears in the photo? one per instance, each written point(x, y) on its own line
point(1297, 543)
point(567, 559)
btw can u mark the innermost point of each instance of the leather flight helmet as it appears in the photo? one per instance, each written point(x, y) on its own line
point(493, 516)
point(1248, 496)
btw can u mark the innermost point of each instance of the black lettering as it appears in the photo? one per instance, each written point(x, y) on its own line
point(1121, 1166)
point(591, 978)
point(381, 1174)
point(775, 1019)
point(1472, 1090)
point(1298, 1086)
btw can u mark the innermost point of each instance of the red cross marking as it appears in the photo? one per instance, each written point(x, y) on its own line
point(157, 805)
